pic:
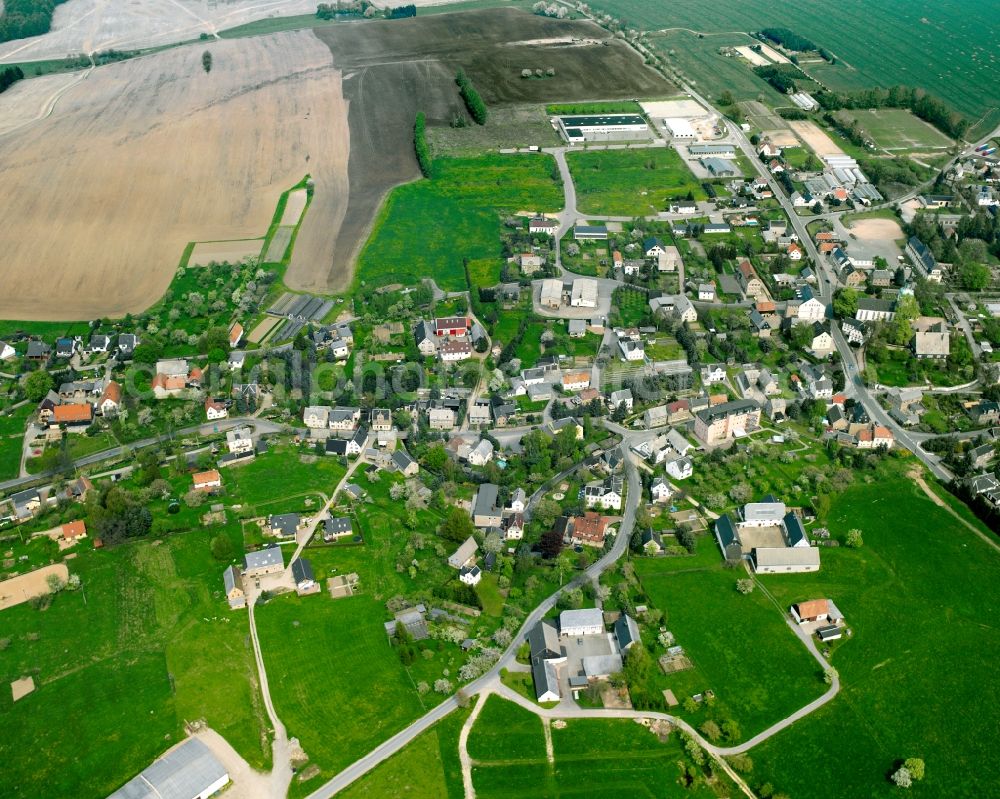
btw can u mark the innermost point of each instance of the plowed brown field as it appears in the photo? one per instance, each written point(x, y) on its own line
point(102, 194)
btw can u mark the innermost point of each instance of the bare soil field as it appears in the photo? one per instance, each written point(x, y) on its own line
point(266, 326)
point(877, 230)
point(28, 101)
point(25, 586)
point(231, 252)
point(85, 26)
point(109, 188)
point(394, 68)
point(815, 137)
point(755, 58)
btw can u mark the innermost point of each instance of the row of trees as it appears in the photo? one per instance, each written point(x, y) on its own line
point(420, 147)
point(778, 77)
point(473, 102)
point(789, 39)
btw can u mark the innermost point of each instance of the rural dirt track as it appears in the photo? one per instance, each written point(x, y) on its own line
point(102, 195)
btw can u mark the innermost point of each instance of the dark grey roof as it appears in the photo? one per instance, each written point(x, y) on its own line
point(302, 570)
point(544, 675)
point(285, 523)
point(263, 557)
point(402, 460)
point(486, 500)
point(232, 578)
point(726, 531)
point(338, 525)
point(26, 496)
point(336, 446)
point(37, 349)
point(188, 771)
point(709, 415)
point(626, 631)
point(794, 530)
point(360, 436)
point(543, 640)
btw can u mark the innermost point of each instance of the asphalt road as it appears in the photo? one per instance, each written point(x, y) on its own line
point(425, 722)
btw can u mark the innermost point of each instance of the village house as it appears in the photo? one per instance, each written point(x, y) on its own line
point(216, 409)
point(822, 344)
point(439, 418)
point(750, 283)
point(239, 441)
point(930, 338)
point(588, 530)
point(455, 350)
point(621, 397)
point(606, 494)
point(679, 467)
point(465, 554)
point(575, 381)
point(269, 560)
point(207, 481)
point(984, 412)
point(452, 326)
point(660, 490)
point(174, 377)
point(73, 418)
point(232, 581)
point(481, 454)
point(874, 310)
point(542, 226)
point(706, 292)
point(336, 527)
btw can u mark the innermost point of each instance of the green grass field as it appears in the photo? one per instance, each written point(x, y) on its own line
point(739, 645)
point(11, 439)
point(612, 758)
point(630, 182)
point(897, 129)
point(120, 665)
point(876, 44)
point(608, 107)
point(918, 673)
point(426, 228)
point(428, 768)
point(254, 484)
point(336, 683)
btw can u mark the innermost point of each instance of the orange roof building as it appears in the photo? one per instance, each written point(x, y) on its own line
point(590, 529)
point(72, 414)
point(74, 530)
point(203, 481)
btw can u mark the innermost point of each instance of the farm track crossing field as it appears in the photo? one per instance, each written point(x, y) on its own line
point(918, 674)
point(150, 154)
point(614, 758)
point(946, 48)
point(630, 182)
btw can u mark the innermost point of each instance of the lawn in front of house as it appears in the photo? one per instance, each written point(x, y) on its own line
point(630, 182)
point(917, 674)
point(11, 439)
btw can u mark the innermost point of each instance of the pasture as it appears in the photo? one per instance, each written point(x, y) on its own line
point(630, 182)
point(336, 682)
point(917, 674)
point(11, 438)
point(897, 129)
point(426, 228)
point(121, 664)
point(608, 758)
point(428, 768)
point(943, 48)
point(739, 645)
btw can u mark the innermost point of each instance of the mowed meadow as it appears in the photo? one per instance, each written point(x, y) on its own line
point(427, 228)
point(947, 48)
point(918, 675)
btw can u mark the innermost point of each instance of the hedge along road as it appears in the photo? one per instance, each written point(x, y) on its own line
point(490, 680)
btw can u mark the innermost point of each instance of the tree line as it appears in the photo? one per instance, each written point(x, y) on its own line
point(401, 12)
point(778, 76)
point(920, 103)
point(473, 102)
point(23, 18)
point(793, 41)
point(10, 76)
point(420, 146)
